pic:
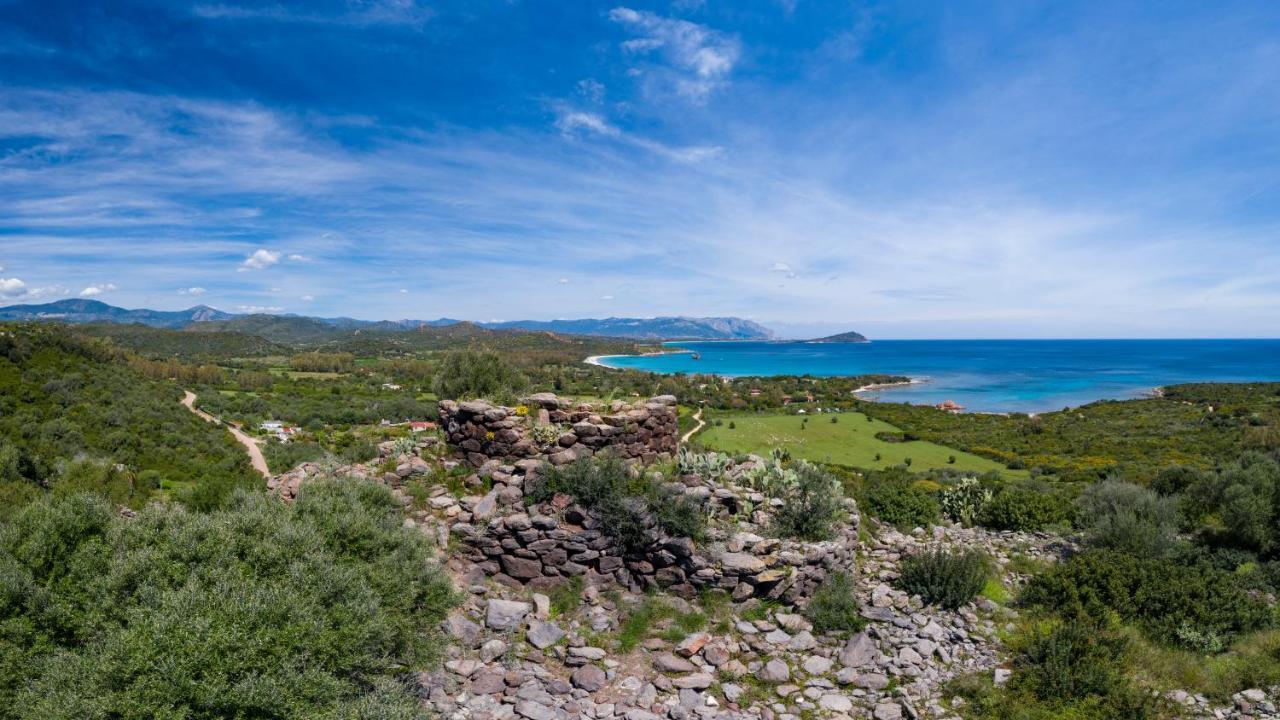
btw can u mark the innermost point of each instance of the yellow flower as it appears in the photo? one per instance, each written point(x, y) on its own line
point(522, 410)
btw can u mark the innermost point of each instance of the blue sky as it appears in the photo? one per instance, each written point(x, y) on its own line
point(915, 169)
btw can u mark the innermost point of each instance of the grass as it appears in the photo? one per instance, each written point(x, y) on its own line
point(1253, 661)
point(567, 596)
point(852, 441)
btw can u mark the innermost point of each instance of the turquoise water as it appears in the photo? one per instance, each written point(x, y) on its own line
point(989, 375)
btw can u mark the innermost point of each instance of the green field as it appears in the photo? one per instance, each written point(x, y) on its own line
point(849, 441)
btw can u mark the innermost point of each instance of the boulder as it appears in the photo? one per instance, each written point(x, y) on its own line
point(506, 614)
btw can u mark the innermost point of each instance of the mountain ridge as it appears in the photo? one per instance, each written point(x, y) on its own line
point(203, 317)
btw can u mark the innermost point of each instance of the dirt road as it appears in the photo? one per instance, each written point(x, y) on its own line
point(251, 447)
point(696, 416)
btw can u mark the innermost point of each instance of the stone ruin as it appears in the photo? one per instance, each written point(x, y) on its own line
point(545, 427)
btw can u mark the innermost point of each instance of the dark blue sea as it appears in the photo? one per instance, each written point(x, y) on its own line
point(988, 375)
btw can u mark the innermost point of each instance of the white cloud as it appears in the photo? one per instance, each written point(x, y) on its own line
point(192, 291)
point(92, 290)
point(295, 257)
point(259, 309)
point(563, 281)
point(404, 290)
point(307, 298)
point(260, 259)
point(699, 59)
point(12, 288)
point(592, 90)
point(606, 297)
point(570, 121)
point(361, 13)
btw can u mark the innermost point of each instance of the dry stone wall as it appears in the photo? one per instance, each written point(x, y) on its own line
point(539, 546)
point(545, 427)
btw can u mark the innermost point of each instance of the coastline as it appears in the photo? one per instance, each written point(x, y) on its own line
point(885, 386)
point(599, 360)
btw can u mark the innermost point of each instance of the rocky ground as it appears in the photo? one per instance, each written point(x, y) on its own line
point(517, 654)
point(513, 658)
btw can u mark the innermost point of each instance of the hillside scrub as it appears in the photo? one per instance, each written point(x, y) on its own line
point(467, 374)
point(65, 401)
point(893, 497)
point(624, 503)
point(1125, 517)
point(810, 504)
point(945, 578)
point(1171, 602)
point(260, 609)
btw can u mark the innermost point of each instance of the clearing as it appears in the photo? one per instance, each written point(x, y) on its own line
point(851, 440)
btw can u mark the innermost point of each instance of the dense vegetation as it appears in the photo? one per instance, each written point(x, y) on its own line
point(261, 609)
point(74, 414)
point(1190, 425)
point(626, 503)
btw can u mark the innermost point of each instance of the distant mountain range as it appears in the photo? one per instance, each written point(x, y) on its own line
point(203, 317)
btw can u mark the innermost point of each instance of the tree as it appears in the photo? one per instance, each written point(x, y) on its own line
point(466, 374)
point(1129, 518)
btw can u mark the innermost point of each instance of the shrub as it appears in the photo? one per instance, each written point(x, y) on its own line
point(1167, 600)
point(1125, 517)
point(476, 373)
point(1023, 508)
point(963, 501)
point(810, 505)
point(261, 609)
point(622, 503)
point(1078, 660)
point(945, 578)
point(890, 497)
point(833, 607)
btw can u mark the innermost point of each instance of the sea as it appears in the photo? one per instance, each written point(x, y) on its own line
point(985, 375)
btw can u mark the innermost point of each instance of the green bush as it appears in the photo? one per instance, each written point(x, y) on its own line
point(1125, 517)
point(964, 501)
point(622, 503)
point(810, 505)
point(464, 374)
point(945, 578)
point(1024, 508)
point(261, 609)
point(833, 607)
point(283, 457)
point(1244, 498)
point(892, 498)
point(1169, 601)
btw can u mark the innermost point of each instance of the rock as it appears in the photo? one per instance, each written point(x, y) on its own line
point(669, 663)
point(1001, 676)
point(588, 653)
point(492, 649)
point(887, 711)
point(1253, 695)
point(777, 637)
point(506, 614)
point(692, 644)
point(589, 677)
point(466, 632)
point(695, 681)
point(521, 568)
point(860, 651)
point(543, 635)
point(487, 683)
point(835, 703)
point(815, 665)
point(742, 563)
point(535, 711)
point(802, 641)
point(541, 606)
point(715, 654)
point(638, 714)
point(793, 622)
point(774, 671)
point(872, 681)
point(732, 691)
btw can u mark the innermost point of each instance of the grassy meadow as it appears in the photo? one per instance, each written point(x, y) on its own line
point(851, 440)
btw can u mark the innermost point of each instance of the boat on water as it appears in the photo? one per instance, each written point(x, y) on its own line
point(696, 356)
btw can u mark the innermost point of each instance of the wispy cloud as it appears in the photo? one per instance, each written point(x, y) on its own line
point(573, 122)
point(260, 309)
point(696, 58)
point(357, 13)
point(196, 291)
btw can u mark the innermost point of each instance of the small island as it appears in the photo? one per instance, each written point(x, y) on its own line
point(844, 337)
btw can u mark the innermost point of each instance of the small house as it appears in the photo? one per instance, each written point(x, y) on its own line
point(418, 426)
